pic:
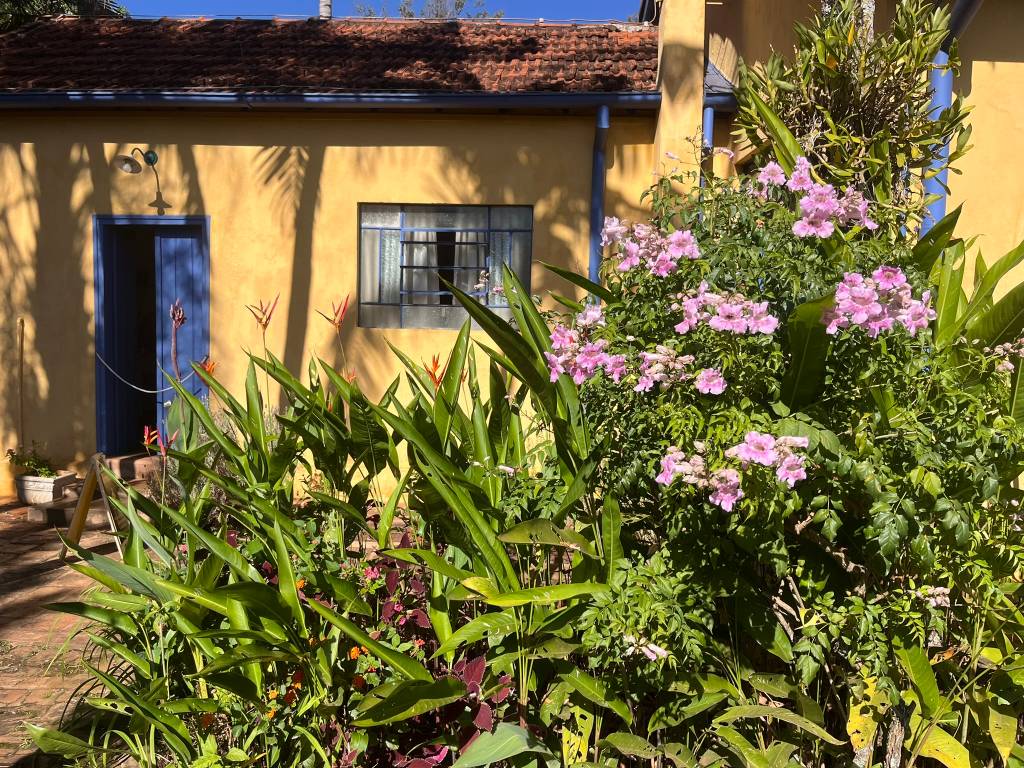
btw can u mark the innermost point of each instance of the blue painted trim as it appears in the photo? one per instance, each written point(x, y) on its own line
point(721, 102)
point(100, 224)
point(369, 100)
point(941, 81)
point(597, 189)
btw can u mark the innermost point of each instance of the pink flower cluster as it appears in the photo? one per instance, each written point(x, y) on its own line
point(777, 452)
point(723, 312)
point(1005, 351)
point(724, 483)
point(659, 253)
point(878, 303)
point(821, 208)
point(574, 353)
point(665, 367)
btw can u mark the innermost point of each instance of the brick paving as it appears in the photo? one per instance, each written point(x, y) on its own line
point(40, 667)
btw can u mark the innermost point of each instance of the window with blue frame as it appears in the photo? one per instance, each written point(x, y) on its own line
point(408, 252)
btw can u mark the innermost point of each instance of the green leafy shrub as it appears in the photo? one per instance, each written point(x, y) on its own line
point(32, 461)
point(859, 106)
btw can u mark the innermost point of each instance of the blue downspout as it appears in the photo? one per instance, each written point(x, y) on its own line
point(707, 138)
point(941, 81)
point(597, 186)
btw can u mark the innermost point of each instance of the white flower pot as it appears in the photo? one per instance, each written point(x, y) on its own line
point(43, 490)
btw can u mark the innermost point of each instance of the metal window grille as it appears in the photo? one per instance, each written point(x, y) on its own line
point(409, 252)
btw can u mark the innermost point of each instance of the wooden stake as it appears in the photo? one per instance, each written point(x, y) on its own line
point(94, 478)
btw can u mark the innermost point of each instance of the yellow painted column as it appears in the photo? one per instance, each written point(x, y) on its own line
point(680, 79)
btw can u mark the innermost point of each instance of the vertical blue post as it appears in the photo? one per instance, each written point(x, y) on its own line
point(707, 138)
point(941, 81)
point(597, 186)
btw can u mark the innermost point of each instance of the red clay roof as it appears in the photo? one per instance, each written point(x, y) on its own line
point(257, 56)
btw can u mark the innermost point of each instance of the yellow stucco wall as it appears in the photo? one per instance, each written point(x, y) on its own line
point(282, 192)
point(991, 186)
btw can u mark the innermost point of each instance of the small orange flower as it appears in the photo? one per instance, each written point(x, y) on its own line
point(271, 714)
point(350, 376)
point(272, 694)
point(434, 370)
point(300, 583)
point(208, 365)
point(353, 652)
point(359, 682)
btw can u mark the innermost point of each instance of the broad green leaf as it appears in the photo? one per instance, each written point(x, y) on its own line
point(412, 698)
point(543, 531)
point(402, 664)
point(54, 742)
point(611, 533)
point(866, 715)
point(915, 662)
point(787, 148)
point(536, 595)
point(929, 740)
point(759, 712)
point(387, 514)
point(951, 289)
point(982, 294)
point(1002, 728)
point(506, 742)
point(485, 625)
point(595, 691)
point(588, 285)
point(751, 756)
point(628, 744)
point(1004, 322)
point(808, 350)
point(931, 244)
point(432, 560)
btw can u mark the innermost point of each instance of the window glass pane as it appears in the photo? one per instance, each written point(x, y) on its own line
point(409, 253)
point(390, 273)
point(380, 215)
point(511, 217)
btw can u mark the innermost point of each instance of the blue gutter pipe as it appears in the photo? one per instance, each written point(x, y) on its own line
point(540, 100)
point(707, 137)
point(597, 190)
point(941, 81)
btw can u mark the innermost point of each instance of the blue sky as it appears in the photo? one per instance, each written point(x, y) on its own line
point(527, 9)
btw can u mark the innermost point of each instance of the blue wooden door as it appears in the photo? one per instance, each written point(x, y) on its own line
point(182, 275)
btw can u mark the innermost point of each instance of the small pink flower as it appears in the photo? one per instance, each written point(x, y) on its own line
point(590, 317)
point(710, 382)
point(772, 175)
point(613, 231)
point(791, 469)
point(800, 180)
point(726, 491)
point(756, 448)
point(889, 278)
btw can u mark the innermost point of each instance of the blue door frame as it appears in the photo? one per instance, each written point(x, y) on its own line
point(181, 249)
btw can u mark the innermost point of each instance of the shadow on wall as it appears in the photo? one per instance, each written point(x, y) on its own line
point(291, 163)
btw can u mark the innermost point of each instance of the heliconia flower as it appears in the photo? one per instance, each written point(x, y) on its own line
point(725, 488)
point(263, 313)
point(208, 365)
point(613, 231)
point(338, 312)
point(710, 382)
point(434, 370)
point(772, 175)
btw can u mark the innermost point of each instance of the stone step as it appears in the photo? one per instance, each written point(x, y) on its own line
point(135, 466)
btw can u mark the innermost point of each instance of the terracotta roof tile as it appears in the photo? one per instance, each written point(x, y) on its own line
point(257, 56)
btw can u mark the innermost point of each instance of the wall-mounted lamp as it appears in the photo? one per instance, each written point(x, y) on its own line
point(128, 163)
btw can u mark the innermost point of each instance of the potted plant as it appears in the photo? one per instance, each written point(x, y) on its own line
point(36, 479)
